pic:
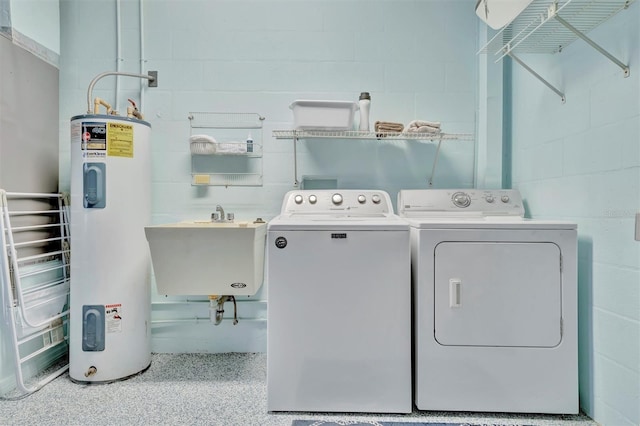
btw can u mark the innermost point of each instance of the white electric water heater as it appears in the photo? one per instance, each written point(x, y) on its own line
point(110, 324)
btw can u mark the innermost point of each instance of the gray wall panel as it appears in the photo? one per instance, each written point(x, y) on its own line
point(28, 121)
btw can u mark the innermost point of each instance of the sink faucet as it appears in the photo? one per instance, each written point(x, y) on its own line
point(220, 210)
point(219, 216)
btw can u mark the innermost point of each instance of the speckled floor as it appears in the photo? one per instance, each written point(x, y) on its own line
point(203, 389)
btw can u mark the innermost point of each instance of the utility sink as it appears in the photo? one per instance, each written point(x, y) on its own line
point(208, 258)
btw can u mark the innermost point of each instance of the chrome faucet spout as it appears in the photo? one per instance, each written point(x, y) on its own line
point(220, 210)
point(218, 215)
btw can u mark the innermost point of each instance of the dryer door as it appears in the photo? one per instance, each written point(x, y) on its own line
point(497, 294)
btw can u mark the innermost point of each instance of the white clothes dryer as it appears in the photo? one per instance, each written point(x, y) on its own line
point(495, 304)
point(339, 313)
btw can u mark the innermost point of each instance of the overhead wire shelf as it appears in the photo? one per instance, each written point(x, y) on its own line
point(548, 26)
point(536, 29)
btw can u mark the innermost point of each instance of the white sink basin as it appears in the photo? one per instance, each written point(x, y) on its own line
point(208, 258)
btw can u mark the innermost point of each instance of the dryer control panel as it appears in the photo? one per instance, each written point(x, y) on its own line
point(351, 201)
point(493, 202)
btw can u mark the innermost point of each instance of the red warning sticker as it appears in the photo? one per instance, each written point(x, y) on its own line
point(113, 316)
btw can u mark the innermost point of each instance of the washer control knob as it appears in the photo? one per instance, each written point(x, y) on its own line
point(489, 199)
point(505, 198)
point(298, 199)
point(461, 199)
point(336, 199)
point(362, 199)
point(375, 198)
point(313, 199)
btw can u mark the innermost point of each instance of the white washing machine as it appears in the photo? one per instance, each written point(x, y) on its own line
point(339, 315)
point(495, 300)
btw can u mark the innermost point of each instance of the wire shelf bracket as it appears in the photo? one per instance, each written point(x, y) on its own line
point(563, 98)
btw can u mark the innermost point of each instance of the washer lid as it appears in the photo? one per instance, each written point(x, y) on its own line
point(502, 294)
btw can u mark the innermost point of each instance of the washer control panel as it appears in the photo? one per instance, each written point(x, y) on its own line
point(492, 202)
point(337, 200)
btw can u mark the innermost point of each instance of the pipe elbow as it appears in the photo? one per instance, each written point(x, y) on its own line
point(99, 101)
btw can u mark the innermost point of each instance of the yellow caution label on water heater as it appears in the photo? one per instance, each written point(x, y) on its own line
point(120, 140)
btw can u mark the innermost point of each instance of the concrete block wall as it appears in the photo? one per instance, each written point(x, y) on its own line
point(416, 58)
point(580, 161)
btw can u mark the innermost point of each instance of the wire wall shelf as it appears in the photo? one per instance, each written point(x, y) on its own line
point(226, 148)
point(356, 134)
point(549, 26)
point(537, 29)
point(438, 138)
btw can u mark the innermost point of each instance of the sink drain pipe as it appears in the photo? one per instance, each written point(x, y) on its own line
point(216, 303)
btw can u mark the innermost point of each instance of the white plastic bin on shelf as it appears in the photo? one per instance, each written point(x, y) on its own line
point(323, 115)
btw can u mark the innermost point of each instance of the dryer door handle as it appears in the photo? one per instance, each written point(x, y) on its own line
point(455, 293)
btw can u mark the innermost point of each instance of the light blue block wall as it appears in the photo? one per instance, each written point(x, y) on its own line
point(38, 20)
point(416, 58)
point(581, 161)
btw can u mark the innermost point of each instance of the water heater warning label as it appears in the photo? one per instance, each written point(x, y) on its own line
point(120, 140)
point(113, 316)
